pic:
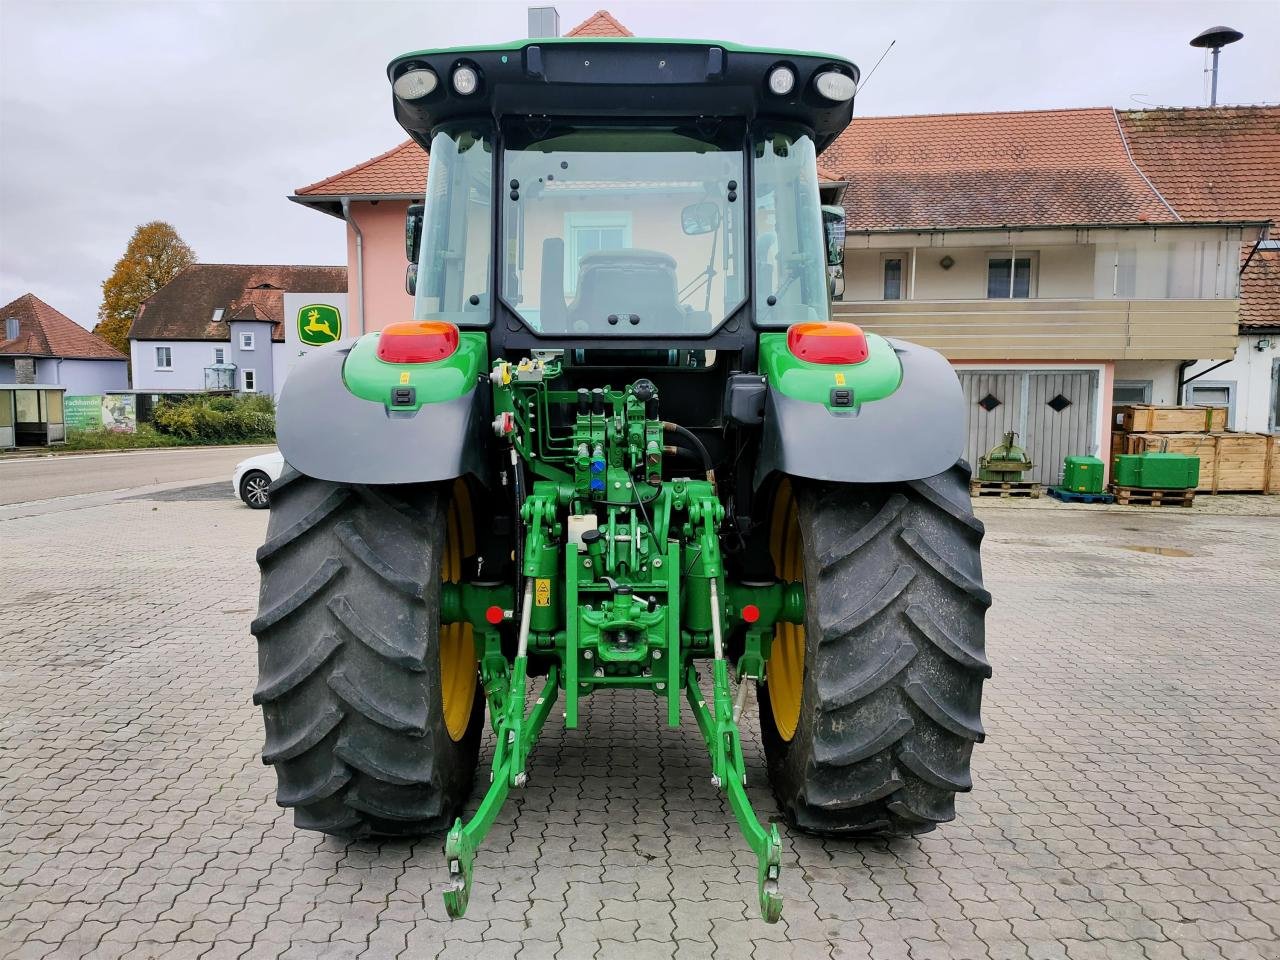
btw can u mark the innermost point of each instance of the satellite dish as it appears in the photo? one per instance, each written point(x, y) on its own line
point(1216, 37)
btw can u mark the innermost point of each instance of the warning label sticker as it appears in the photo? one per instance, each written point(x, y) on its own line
point(542, 592)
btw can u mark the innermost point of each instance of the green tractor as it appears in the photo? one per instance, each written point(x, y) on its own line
point(622, 445)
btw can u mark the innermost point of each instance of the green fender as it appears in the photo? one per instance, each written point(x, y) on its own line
point(905, 419)
point(339, 417)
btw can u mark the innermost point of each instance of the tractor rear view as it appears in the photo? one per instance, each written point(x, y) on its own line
point(621, 445)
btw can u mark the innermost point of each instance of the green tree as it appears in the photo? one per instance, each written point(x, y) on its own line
point(155, 255)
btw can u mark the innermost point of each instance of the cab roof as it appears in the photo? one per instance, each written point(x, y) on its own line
point(622, 78)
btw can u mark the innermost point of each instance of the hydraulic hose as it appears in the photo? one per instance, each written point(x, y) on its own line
point(673, 450)
point(696, 444)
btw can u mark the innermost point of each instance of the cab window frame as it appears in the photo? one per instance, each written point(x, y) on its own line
point(758, 134)
point(485, 132)
point(507, 313)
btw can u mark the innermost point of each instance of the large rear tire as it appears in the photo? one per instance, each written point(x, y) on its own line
point(372, 709)
point(869, 712)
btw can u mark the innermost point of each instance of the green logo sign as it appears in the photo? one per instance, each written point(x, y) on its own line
point(318, 324)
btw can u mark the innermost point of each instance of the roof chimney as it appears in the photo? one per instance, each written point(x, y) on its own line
point(543, 22)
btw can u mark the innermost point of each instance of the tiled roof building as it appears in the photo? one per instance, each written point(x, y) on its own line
point(183, 309)
point(946, 171)
point(1210, 163)
point(401, 171)
point(600, 24)
point(43, 331)
point(1260, 292)
point(1219, 163)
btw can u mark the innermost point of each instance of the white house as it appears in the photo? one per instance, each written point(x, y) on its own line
point(1220, 163)
point(234, 326)
point(1032, 251)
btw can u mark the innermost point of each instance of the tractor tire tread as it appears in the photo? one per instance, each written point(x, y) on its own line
point(347, 660)
point(303, 525)
point(894, 659)
point(359, 547)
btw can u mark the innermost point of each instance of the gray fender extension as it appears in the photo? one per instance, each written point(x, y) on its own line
point(326, 432)
point(916, 432)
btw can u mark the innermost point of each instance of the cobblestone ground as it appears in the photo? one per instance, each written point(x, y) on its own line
point(1127, 802)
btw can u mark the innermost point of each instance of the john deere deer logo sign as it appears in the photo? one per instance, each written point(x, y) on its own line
point(318, 324)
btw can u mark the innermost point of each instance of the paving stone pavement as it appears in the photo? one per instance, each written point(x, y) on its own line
point(1127, 801)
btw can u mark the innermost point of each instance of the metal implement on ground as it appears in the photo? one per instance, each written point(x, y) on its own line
point(1005, 461)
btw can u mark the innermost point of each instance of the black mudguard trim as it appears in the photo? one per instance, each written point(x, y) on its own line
point(326, 432)
point(916, 432)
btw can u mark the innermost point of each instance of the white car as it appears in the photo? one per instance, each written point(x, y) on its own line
point(254, 476)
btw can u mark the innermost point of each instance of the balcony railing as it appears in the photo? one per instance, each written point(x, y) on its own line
point(1056, 329)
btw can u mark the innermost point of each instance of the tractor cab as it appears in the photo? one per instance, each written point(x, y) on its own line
point(623, 194)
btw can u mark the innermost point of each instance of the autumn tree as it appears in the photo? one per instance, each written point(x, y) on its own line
point(155, 255)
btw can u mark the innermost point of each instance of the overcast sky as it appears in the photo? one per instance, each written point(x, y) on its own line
point(208, 114)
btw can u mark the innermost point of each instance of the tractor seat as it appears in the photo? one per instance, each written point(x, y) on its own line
point(624, 283)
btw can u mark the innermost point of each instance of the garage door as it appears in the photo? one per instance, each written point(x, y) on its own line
point(1052, 412)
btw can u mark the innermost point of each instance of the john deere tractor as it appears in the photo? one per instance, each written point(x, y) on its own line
point(621, 444)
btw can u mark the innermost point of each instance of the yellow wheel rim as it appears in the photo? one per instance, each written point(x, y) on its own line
point(785, 669)
point(458, 667)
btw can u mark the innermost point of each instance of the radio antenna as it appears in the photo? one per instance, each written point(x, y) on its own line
point(864, 83)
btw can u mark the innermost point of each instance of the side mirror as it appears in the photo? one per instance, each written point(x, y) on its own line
point(834, 226)
point(413, 231)
point(411, 279)
point(699, 218)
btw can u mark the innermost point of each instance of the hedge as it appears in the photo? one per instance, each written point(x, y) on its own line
point(239, 419)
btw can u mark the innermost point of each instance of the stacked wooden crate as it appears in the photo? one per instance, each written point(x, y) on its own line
point(1229, 462)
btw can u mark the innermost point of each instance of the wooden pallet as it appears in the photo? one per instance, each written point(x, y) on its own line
point(1075, 496)
point(1153, 498)
point(1004, 488)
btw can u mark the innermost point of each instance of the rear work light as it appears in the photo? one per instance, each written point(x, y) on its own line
point(828, 342)
point(415, 84)
point(417, 341)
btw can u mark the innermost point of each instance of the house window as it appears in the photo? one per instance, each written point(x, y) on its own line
point(11, 328)
point(893, 268)
point(1008, 277)
point(589, 233)
point(1217, 393)
point(217, 315)
point(1131, 391)
point(246, 341)
point(248, 381)
point(164, 358)
point(219, 355)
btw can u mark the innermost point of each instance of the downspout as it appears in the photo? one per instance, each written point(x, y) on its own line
point(355, 228)
point(1182, 380)
point(1263, 235)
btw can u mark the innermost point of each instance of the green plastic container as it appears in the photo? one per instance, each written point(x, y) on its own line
point(1156, 471)
point(1082, 475)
